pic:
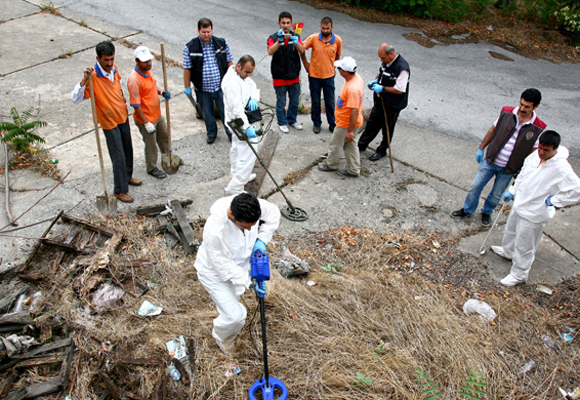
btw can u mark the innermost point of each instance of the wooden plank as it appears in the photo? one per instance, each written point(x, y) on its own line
point(138, 361)
point(47, 347)
point(60, 245)
point(41, 389)
point(184, 224)
point(22, 318)
point(266, 154)
point(35, 362)
point(152, 210)
point(88, 225)
point(7, 384)
point(17, 395)
point(111, 387)
point(37, 244)
point(6, 301)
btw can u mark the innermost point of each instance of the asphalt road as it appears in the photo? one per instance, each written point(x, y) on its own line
point(457, 89)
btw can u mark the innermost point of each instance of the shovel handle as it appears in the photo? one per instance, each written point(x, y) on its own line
point(166, 101)
point(95, 121)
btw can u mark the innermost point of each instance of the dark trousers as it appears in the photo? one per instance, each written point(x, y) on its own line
point(326, 86)
point(376, 123)
point(206, 100)
point(121, 153)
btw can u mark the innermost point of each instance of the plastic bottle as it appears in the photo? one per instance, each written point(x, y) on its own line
point(527, 367)
point(549, 342)
point(175, 375)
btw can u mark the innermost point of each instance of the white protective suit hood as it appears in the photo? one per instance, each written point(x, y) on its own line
point(537, 181)
point(226, 249)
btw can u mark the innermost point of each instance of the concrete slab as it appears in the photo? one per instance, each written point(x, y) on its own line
point(45, 37)
point(552, 263)
point(12, 9)
point(563, 229)
point(113, 31)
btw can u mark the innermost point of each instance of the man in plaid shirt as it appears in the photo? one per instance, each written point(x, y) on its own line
point(205, 62)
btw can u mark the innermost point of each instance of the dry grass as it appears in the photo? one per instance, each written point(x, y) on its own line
point(367, 315)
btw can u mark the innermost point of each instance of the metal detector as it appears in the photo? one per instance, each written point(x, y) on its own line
point(260, 272)
point(290, 212)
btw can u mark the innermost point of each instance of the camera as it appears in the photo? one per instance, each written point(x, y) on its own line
point(287, 35)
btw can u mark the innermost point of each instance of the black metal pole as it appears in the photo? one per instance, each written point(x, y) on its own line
point(265, 346)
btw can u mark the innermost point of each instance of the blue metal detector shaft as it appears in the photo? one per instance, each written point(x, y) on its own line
point(260, 272)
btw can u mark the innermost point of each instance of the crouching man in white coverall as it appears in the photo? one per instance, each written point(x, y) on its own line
point(237, 227)
point(240, 91)
point(545, 182)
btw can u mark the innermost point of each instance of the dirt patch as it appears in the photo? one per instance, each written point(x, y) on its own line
point(525, 39)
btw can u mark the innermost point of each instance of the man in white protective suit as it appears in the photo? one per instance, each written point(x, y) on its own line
point(546, 181)
point(240, 91)
point(237, 227)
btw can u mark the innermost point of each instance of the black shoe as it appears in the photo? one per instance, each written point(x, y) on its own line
point(324, 167)
point(210, 140)
point(376, 157)
point(459, 214)
point(316, 129)
point(485, 219)
point(157, 173)
point(344, 172)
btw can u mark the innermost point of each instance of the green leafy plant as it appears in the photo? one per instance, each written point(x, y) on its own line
point(19, 133)
point(332, 268)
point(475, 381)
point(427, 383)
point(361, 382)
point(382, 349)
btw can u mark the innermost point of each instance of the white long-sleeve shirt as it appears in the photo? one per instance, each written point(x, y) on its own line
point(538, 180)
point(237, 93)
point(226, 249)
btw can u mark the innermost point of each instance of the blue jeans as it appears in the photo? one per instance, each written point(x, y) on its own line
point(293, 98)
point(327, 87)
point(206, 100)
point(484, 175)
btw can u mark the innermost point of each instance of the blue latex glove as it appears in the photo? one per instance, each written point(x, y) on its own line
point(259, 246)
point(187, 91)
point(259, 290)
point(281, 35)
point(251, 132)
point(549, 200)
point(166, 95)
point(294, 40)
point(253, 104)
point(507, 196)
point(372, 83)
point(479, 156)
point(377, 88)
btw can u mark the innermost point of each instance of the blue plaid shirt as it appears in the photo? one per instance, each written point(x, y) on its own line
point(211, 81)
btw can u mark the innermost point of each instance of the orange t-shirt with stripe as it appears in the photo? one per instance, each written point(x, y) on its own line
point(323, 55)
point(111, 107)
point(143, 93)
point(351, 96)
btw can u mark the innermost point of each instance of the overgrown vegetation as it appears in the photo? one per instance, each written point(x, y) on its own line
point(19, 134)
point(560, 14)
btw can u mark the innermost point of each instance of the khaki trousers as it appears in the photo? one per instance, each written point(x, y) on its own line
point(153, 140)
point(351, 153)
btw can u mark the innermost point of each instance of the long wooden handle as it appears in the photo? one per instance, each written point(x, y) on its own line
point(388, 133)
point(166, 101)
point(94, 110)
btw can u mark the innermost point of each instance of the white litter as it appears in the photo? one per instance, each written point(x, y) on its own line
point(473, 306)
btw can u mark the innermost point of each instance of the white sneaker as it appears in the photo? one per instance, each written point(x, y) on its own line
point(499, 251)
point(510, 281)
point(252, 177)
point(284, 128)
point(297, 126)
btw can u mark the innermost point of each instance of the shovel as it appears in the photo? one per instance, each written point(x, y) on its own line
point(107, 205)
point(169, 162)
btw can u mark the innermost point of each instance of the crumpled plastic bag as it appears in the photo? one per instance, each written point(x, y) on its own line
point(473, 306)
point(290, 265)
point(15, 344)
point(106, 297)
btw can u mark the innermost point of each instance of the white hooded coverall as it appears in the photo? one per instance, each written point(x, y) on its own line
point(223, 263)
point(529, 214)
point(237, 93)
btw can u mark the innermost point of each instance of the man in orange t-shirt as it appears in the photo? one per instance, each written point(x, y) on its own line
point(349, 120)
point(112, 115)
point(326, 49)
point(144, 98)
